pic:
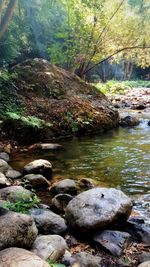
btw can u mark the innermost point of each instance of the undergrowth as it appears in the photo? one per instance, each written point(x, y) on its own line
point(117, 87)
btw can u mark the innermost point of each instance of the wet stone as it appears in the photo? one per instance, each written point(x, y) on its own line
point(114, 241)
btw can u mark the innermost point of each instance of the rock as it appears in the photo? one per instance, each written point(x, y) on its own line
point(86, 183)
point(3, 166)
point(4, 156)
point(17, 230)
point(48, 222)
point(113, 241)
point(60, 201)
point(18, 257)
point(39, 166)
point(49, 247)
point(145, 264)
point(67, 258)
point(86, 260)
point(148, 123)
point(139, 231)
point(3, 181)
point(144, 256)
point(97, 208)
point(129, 121)
point(15, 193)
point(50, 146)
point(67, 186)
point(36, 180)
point(13, 174)
point(141, 106)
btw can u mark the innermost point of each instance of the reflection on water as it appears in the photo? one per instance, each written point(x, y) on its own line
point(118, 159)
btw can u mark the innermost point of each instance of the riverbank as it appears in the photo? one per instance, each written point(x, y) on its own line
point(61, 241)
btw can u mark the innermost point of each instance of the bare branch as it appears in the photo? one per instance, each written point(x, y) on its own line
point(115, 53)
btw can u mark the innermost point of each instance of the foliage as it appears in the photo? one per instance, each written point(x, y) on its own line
point(29, 120)
point(23, 206)
point(52, 263)
point(75, 34)
point(116, 87)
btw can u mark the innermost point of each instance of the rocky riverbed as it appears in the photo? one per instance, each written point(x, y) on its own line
point(94, 226)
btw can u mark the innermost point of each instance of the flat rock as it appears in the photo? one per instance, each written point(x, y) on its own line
point(97, 208)
point(144, 256)
point(39, 166)
point(4, 182)
point(86, 260)
point(3, 166)
point(36, 181)
point(50, 146)
point(15, 193)
point(67, 186)
point(18, 257)
point(145, 264)
point(139, 231)
point(49, 247)
point(48, 222)
point(113, 241)
point(17, 230)
point(13, 174)
point(4, 156)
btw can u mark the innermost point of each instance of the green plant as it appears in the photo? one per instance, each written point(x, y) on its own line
point(71, 122)
point(29, 120)
point(23, 206)
point(52, 263)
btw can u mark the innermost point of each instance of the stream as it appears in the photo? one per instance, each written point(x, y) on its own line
point(118, 158)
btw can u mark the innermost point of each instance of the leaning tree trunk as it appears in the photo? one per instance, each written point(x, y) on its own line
point(7, 17)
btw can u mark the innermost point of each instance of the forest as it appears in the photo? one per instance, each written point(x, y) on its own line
point(74, 133)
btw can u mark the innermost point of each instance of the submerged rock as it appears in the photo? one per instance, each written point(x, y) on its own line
point(113, 241)
point(49, 247)
point(48, 222)
point(16, 230)
point(39, 166)
point(97, 208)
point(129, 121)
point(18, 257)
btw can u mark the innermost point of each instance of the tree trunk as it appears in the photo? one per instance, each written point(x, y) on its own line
point(7, 17)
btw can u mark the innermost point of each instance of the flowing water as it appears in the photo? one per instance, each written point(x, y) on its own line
point(118, 158)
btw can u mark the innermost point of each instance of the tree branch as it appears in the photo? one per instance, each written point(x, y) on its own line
point(115, 53)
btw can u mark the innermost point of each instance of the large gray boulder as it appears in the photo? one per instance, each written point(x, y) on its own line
point(49, 247)
point(3, 166)
point(97, 208)
point(39, 166)
point(48, 222)
point(16, 230)
point(15, 193)
point(18, 257)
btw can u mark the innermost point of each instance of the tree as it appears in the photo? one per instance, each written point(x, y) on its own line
point(7, 16)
